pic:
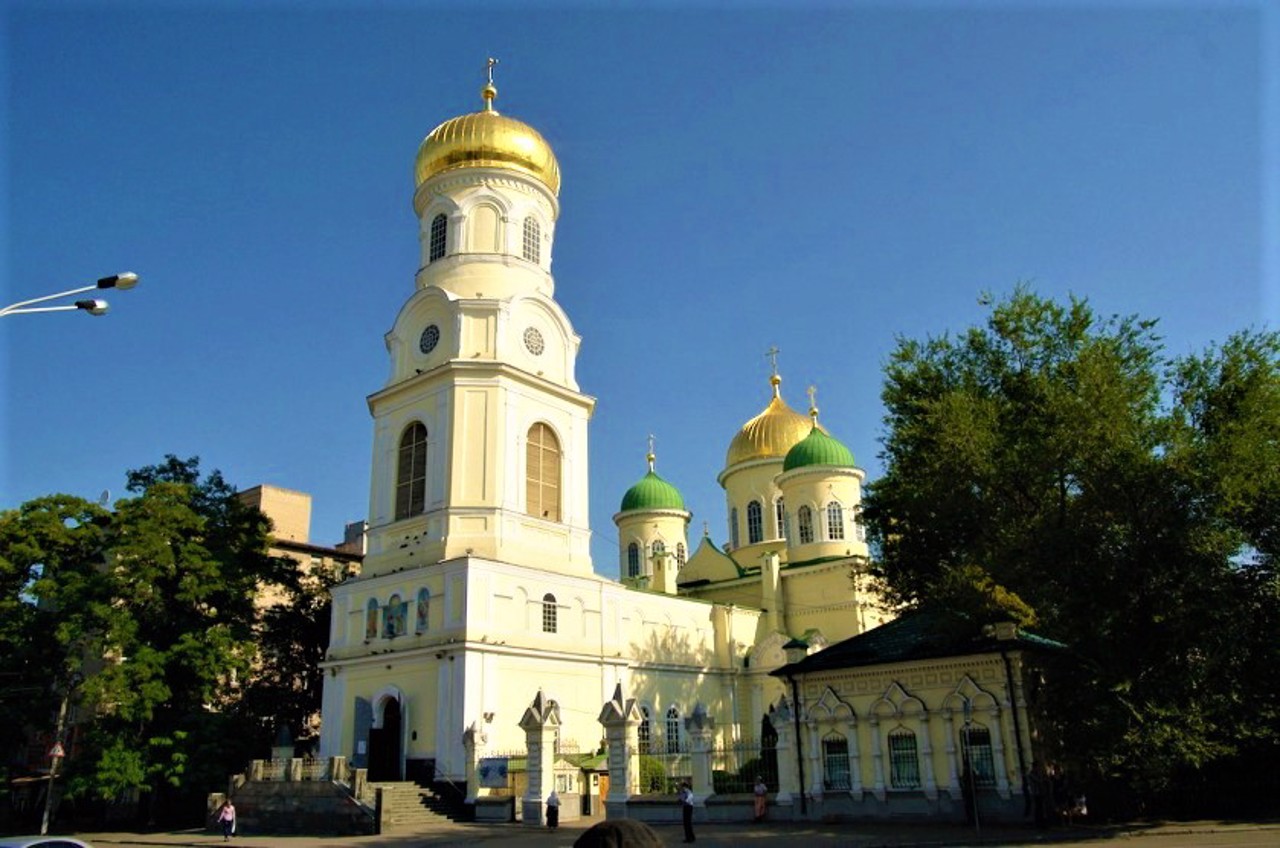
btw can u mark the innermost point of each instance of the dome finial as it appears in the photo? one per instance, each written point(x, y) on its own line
point(490, 91)
point(813, 404)
point(651, 455)
point(774, 379)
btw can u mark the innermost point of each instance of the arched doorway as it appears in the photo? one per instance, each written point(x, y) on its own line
point(384, 744)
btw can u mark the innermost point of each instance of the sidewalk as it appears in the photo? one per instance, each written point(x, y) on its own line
point(767, 835)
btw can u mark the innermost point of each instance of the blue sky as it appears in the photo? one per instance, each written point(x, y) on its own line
point(824, 178)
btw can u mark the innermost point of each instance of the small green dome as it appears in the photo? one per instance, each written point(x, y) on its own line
point(818, 448)
point(652, 492)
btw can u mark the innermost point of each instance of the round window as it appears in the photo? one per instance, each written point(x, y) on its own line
point(533, 341)
point(430, 338)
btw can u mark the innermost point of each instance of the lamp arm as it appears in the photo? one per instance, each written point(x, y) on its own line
point(13, 307)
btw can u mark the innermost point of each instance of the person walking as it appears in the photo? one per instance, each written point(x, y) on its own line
point(553, 810)
point(686, 810)
point(761, 799)
point(227, 818)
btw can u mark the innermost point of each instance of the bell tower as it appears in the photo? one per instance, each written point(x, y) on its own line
point(480, 433)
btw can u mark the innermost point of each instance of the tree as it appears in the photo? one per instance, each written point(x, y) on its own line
point(1055, 465)
point(151, 609)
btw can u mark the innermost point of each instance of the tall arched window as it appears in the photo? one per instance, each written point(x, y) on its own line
point(542, 473)
point(411, 472)
point(633, 560)
point(371, 611)
point(548, 613)
point(673, 731)
point(835, 761)
point(755, 523)
point(904, 761)
point(804, 518)
point(439, 229)
point(680, 555)
point(644, 733)
point(780, 517)
point(733, 528)
point(835, 521)
point(532, 239)
point(423, 617)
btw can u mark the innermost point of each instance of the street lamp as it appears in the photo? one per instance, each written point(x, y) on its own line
point(93, 306)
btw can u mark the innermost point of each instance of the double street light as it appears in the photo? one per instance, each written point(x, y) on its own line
point(93, 306)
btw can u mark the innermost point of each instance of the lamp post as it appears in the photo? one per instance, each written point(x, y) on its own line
point(93, 306)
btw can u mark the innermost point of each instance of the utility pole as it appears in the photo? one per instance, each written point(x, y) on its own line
point(55, 756)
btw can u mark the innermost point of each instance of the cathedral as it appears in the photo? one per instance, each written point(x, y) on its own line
point(478, 591)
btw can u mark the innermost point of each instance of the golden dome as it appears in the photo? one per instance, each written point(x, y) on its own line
point(771, 433)
point(486, 139)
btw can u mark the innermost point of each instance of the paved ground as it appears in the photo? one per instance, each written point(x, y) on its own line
point(769, 835)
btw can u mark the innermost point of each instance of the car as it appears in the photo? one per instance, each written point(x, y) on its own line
point(42, 842)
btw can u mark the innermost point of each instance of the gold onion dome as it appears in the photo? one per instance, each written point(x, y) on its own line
point(771, 433)
point(486, 139)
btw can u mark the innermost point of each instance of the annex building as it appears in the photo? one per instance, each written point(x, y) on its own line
point(478, 601)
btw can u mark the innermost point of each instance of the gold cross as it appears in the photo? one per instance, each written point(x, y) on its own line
point(772, 353)
point(492, 62)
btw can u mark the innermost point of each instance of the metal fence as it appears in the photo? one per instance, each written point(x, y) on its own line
point(662, 770)
point(736, 765)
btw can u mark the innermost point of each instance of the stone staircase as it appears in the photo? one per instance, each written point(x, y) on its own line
point(407, 806)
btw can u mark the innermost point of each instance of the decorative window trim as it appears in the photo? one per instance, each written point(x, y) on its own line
point(532, 241)
point(835, 522)
point(755, 523)
point(544, 463)
point(904, 759)
point(836, 771)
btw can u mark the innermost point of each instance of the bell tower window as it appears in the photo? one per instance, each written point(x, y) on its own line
point(835, 521)
point(804, 518)
point(542, 473)
point(411, 472)
point(532, 239)
point(755, 523)
point(633, 560)
point(436, 243)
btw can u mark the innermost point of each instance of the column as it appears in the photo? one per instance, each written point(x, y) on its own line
point(473, 740)
point(788, 764)
point(621, 718)
point(539, 724)
point(701, 729)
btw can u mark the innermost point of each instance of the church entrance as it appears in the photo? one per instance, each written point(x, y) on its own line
point(384, 744)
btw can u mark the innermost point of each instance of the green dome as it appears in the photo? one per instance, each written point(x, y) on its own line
point(818, 448)
point(652, 492)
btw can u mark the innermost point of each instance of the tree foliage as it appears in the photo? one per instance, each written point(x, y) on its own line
point(1058, 468)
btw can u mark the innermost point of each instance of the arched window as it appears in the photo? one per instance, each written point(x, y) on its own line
point(975, 747)
point(656, 551)
point(859, 526)
point(835, 521)
point(804, 518)
point(424, 611)
point(644, 733)
point(393, 618)
point(532, 239)
point(542, 473)
point(633, 560)
point(411, 472)
point(371, 619)
point(673, 731)
point(755, 523)
point(548, 613)
point(680, 555)
point(439, 228)
point(733, 528)
point(904, 762)
point(835, 762)
point(780, 518)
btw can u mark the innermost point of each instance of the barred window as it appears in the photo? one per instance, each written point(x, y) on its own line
point(904, 763)
point(371, 619)
point(755, 523)
point(975, 743)
point(644, 733)
point(542, 473)
point(804, 518)
point(780, 518)
point(633, 560)
point(733, 528)
point(439, 227)
point(673, 731)
point(548, 613)
point(532, 239)
point(680, 555)
point(835, 762)
point(411, 472)
point(835, 521)
point(424, 610)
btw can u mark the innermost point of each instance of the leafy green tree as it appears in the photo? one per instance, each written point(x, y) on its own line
point(1054, 467)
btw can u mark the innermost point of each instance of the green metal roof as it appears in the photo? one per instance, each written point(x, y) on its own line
point(818, 448)
point(652, 492)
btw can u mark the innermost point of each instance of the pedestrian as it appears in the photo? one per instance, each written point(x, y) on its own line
point(553, 810)
point(227, 818)
point(761, 800)
point(686, 810)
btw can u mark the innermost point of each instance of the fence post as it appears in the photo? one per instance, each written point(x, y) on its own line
point(621, 718)
point(256, 769)
point(788, 766)
point(539, 724)
point(337, 768)
point(473, 740)
point(701, 729)
point(295, 770)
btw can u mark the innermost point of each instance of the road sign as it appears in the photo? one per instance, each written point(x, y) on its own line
point(57, 750)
